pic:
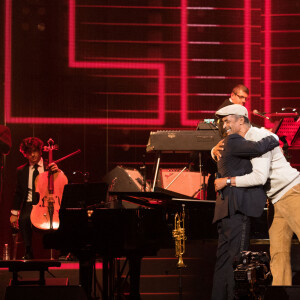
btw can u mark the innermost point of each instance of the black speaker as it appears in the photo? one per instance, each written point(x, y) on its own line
point(282, 292)
point(120, 179)
point(45, 292)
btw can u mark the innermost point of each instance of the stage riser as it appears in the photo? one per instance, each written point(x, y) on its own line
point(159, 274)
point(45, 293)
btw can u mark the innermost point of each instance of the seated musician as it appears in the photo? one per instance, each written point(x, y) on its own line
point(25, 195)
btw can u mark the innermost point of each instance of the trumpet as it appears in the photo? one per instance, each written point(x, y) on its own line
point(179, 236)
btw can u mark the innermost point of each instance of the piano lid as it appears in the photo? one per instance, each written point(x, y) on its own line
point(84, 195)
point(160, 197)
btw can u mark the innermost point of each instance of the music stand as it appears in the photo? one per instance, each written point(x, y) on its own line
point(84, 195)
point(287, 127)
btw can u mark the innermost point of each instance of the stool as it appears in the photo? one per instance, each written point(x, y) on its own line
point(16, 266)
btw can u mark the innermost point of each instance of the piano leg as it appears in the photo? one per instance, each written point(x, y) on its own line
point(86, 264)
point(108, 271)
point(134, 273)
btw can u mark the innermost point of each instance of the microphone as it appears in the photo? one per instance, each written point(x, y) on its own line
point(220, 192)
point(261, 114)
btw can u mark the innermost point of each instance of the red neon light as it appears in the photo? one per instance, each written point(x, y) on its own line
point(247, 47)
point(247, 55)
point(184, 67)
point(73, 63)
point(7, 61)
point(267, 64)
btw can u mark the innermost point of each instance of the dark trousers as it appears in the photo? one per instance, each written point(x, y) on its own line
point(233, 238)
point(26, 226)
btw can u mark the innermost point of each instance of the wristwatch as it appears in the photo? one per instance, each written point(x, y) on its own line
point(228, 181)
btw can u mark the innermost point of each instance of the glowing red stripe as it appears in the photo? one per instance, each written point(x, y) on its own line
point(285, 81)
point(90, 121)
point(73, 266)
point(130, 24)
point(219, 25)
point(165, 25)
point(283, 31)
point(126, 94)
point(247, 47)
point(163, 42)
point(71, 32)
point(171, 77)
point(138, 111)
point(218, 59)
point(184, 63)
point(282, 15)
point(150, 163)
point(7, 60)
point(215, 43)
point(267, 64)
point(129, 42)
point(280, 98)
point(284, 48)
point(163, 7)
point(126, 7)
point(284, 65)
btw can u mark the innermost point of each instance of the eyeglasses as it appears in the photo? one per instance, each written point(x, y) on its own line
point(241, 97)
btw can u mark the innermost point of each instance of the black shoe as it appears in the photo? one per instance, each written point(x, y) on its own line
point(27, 256)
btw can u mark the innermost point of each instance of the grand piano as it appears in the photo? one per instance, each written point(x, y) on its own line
point(92, 230)
point(90, 227)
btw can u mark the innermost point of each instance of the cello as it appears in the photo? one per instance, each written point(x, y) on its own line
point(50, 186)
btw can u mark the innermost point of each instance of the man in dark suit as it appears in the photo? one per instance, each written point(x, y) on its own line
point(25, 196)
point(234, 205)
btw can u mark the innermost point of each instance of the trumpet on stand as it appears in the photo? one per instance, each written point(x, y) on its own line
point(180, 238)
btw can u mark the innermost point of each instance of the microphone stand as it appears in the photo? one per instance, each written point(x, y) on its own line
point(144, 171)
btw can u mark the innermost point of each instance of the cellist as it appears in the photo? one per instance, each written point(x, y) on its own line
point(25, 196)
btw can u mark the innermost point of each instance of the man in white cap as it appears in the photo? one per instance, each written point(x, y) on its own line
point(282, 185)
point(234, 205)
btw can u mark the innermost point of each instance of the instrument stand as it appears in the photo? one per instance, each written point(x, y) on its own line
point(202, 187)
point(156, 170)
point(180, 284)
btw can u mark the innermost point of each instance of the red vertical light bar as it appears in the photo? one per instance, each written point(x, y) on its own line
point(7, 60)
point(267, 54)
point(247, 47)
point(161, 94)
point(71, 33)
point(183, 64)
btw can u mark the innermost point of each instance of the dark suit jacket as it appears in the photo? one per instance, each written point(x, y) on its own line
point(235, 161)
point(225, 103)
point(21, 191)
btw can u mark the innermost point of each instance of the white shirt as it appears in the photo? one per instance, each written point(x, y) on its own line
point(31, 169)
point(271, 167)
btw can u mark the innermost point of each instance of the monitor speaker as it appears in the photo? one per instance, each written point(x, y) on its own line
point(122, 179)
point(187, 183)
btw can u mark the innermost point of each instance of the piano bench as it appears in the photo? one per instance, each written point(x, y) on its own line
point(16, 266)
